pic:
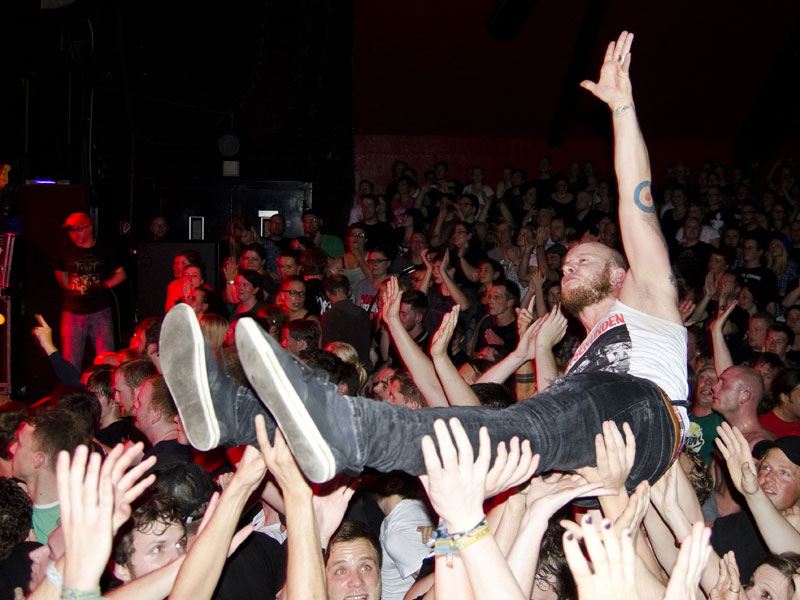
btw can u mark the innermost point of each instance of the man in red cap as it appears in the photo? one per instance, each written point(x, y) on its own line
point(86, 270)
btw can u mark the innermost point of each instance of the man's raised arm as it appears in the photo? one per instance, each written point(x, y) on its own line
point(649, 285)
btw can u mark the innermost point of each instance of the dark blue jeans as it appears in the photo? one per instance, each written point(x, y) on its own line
point(561, 424)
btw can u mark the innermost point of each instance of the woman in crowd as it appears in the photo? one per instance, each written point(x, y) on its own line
point(250, 291)
point(292, 297)
point(353, 263)
point(175, 288)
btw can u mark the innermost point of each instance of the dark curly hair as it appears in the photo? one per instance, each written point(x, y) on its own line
point(15, 516)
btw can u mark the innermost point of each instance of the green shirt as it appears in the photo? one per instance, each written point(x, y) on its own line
point(702, 433)
point(46, 517)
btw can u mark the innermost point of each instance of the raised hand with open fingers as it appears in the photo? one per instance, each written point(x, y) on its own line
point(615, 456)
point(684, 580)
point(546, 495)
point(610, 572)
point(128, 483)
point(86, 495)
point(614, 85)
point(456, 478)
point(734, 448)
point(511, 467)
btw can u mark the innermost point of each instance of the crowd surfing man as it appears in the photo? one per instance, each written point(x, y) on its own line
point(630, 368)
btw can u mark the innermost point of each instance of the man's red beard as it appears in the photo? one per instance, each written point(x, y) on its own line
point(598, 289)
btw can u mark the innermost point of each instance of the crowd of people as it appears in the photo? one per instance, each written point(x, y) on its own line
point(561, 386)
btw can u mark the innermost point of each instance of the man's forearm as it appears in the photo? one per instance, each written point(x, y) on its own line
point(118, 277)
point(418, 364)
point(777, 532)
point(305, 570)
point(203, 566)
point(455, 388)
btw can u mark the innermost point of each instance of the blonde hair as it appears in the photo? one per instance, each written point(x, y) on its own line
point(778, 264)
point(214, 329)
point(348, 354)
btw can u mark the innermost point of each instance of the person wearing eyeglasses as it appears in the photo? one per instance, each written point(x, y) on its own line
point(292, 298)
point(366, 292)
point(86, 270)
point(312, 227)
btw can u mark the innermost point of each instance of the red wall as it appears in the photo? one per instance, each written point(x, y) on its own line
point(374, 155)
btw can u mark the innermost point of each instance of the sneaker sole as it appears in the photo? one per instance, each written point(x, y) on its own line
point(183, 363)
point(273, 387)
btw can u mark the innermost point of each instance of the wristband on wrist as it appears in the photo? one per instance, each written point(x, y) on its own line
point(474, 535)
point(468, 533)
point(53, 575)
point(70, 594)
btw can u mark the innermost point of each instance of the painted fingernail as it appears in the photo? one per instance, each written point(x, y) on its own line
point(588, 520)
point(570, 537)
point(607, 525)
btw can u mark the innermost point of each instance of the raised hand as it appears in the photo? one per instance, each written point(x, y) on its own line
point(538, 278)
point(425, 259)
point(526, 347)
point(525, 317)
point(542, 235)
point(614, 85)
point(441, 339)
point(725, 290)
point(686, 308)
point(456, 482)
point(611, 575)
point(230, 270)
point(390, 301)
point(546, 495)
point(684, 580)
point(615, 456)
point(330, 503)
point(44, 335)
point(86, 495)
point(736, 451)
point(281, 463)
point(511, 468)
point(709, 285)
point(128, 484)
point(728, 586)
point(554, 326)
point(445, 262)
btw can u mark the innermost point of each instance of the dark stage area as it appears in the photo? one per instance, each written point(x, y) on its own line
point(139, 109)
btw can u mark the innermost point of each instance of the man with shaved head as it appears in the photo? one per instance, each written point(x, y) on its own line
point(736, 396)
point(630, 368)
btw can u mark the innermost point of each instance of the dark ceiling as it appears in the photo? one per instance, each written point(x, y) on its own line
point(154, 84)
point(701, 70)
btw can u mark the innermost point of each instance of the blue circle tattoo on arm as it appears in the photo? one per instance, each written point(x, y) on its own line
point(638, 192)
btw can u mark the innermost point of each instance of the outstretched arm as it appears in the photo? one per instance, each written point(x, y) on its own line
point(649, 284)
point(455, 388)
point(418, 364)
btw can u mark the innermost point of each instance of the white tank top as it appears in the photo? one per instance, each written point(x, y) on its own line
point(626, 340)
